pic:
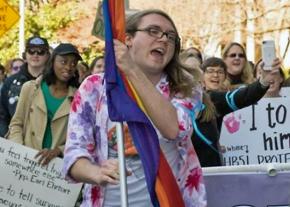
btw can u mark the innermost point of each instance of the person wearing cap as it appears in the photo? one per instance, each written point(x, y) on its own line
point(41, 117)
point(217, 103)
point(36, 55)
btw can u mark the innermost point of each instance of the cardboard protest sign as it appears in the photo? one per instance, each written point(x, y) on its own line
point(257, 134)
point(25, 183)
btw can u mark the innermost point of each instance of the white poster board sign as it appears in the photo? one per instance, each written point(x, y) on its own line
point(257, 134)
point(25, 183)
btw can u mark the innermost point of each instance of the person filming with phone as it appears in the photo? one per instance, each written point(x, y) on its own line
point(276, 79)
point(264, 67)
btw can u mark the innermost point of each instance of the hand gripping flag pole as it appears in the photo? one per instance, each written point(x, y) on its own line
point(124, 105)
point(122, 164)
point(107, 10)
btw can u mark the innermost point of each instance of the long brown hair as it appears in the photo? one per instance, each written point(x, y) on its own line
point(208, 113)
point(180, 77)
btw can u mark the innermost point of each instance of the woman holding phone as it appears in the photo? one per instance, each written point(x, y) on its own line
point(239, 71)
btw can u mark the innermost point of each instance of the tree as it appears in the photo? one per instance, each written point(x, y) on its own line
point(210, 24)
point(49, 18)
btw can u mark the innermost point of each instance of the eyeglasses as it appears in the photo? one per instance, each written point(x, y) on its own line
point(233, 55)
point(218, 72)
point(38, 52)
point(158, 33)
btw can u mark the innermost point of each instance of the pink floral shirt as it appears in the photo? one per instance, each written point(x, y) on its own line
point(88, 137)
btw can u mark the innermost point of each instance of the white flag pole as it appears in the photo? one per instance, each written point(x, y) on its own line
point(121, 155)
point(21, 27)
point(122, 165)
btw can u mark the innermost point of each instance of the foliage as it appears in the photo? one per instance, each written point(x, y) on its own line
point(48, 20)
point(209, 25)
point(89, 53)
point(43, 19)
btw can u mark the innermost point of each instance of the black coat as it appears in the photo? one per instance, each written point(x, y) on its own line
point(242, 97)
point(9, 96)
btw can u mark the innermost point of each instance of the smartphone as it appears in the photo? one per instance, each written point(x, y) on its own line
point(268, 53)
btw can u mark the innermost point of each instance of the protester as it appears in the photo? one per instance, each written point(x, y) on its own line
point(221, 102)
point(36, 55)
point(239, 71)
point(83, 70)
point(193, 51)
point(2, 75)
point(97, 65)
point(190, 58)
point(227, 101)
point(41, 117)
point(205, 123)
point(14, 65)
point(150, 61)
point(215, 73)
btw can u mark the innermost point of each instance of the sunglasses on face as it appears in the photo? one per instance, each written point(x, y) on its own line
point(233, 55)
point(38, 52)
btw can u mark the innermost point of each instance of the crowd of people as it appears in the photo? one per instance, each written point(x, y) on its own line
point(56, 103)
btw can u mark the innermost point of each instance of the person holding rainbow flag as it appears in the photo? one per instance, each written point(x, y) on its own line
point(162, 166)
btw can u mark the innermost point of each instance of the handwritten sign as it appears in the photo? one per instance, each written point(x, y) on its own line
point(258, 134)
point(8, 17)
point(25, 183)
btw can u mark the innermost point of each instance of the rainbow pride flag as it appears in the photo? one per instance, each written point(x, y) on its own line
point(124, 106)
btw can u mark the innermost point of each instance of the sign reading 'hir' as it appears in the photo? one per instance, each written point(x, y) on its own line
point(8, 17)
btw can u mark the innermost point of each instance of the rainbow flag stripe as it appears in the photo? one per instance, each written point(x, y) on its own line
point(125, 106)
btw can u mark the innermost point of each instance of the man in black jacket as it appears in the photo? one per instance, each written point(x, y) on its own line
point(36, 55)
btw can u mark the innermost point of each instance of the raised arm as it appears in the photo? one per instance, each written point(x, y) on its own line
point(226, 102)
point(159, 109)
